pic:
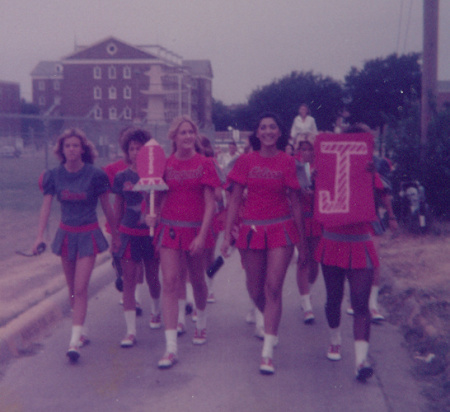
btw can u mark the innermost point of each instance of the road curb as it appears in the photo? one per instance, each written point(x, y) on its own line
point(19, 335)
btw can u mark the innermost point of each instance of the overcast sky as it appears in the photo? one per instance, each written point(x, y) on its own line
point(249, 42)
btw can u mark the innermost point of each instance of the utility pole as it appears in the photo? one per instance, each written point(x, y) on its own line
point(430, 62)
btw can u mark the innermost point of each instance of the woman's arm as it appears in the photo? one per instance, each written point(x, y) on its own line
point(111, 218)
point(43, 220)
point(234, 204)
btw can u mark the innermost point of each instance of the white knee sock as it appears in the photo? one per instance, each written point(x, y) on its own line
point(268, 345)
point(182, 311)
point(335, 336)
point(76, 334)
point(373, 299)
point(361, 351)
point(305, 302)
point(130, 320)
point(155, 306)
point(201, 319)
point(171, 340)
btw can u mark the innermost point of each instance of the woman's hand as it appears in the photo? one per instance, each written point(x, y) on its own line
point(36, 244)
point(197, 245)
point(151, 221)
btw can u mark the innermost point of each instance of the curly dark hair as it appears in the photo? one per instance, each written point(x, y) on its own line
point(281, 142)
point(133, 135)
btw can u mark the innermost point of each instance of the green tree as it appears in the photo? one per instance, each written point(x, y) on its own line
point(384, 89)
point(284, 96)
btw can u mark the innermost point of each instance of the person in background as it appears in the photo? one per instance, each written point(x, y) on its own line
point(268, 231)
point(136, 248)
point(78, 185)
point(183, 232)
point(304, 126)
point(308, 270)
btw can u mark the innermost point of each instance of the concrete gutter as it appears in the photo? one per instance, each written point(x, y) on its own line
point(19, 335)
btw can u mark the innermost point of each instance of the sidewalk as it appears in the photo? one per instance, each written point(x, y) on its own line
point(219, 376)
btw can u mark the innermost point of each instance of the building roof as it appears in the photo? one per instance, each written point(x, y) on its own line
point(47, 69)
point(199, 68)
point(109, 49)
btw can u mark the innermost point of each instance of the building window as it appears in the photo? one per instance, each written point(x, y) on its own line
point(112, 113)
point(97, 72)
point(97, 93)
point(127, 92)
point(98, 113)
point(57, 100)
point(111, 49)
point(112, 93)
point(127, 72)
point(41, 101)
point(112, 72)
point(56, 85)
point(127, 113)
point(41, 85)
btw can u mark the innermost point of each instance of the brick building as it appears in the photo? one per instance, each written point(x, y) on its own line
point(9, 109)
point(112, 80)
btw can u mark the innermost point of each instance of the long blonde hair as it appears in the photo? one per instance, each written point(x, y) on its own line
point(173, 131)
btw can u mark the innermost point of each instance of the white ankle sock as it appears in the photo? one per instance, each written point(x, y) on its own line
point(130, 320)
point(171, 340)
point(335, 336)
point(201, 319)
point(155, 306)
point(189, 293)
point(361, 351)
point(138, 292)
point(305, 302)
point(269, 343)
point(76, 334)
point(182, 311)
point(373, 299)
point(259, 317)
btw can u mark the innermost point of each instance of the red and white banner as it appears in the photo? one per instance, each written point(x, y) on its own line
point(344, 185)
point(150, 163)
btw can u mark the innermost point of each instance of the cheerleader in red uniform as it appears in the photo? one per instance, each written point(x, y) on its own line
point(349, 252)
point(308, 271)
point(78, 185)
point(268, 231)
point(184, 230)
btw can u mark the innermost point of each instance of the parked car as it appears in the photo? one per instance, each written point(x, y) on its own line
point(9, 151)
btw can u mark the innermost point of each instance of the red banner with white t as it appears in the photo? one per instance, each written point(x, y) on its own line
point(344, 183)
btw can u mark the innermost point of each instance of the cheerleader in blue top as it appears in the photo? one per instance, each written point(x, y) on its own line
point(135, 242)
point(78, 186)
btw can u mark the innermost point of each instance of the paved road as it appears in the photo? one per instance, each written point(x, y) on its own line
point(219, 376)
